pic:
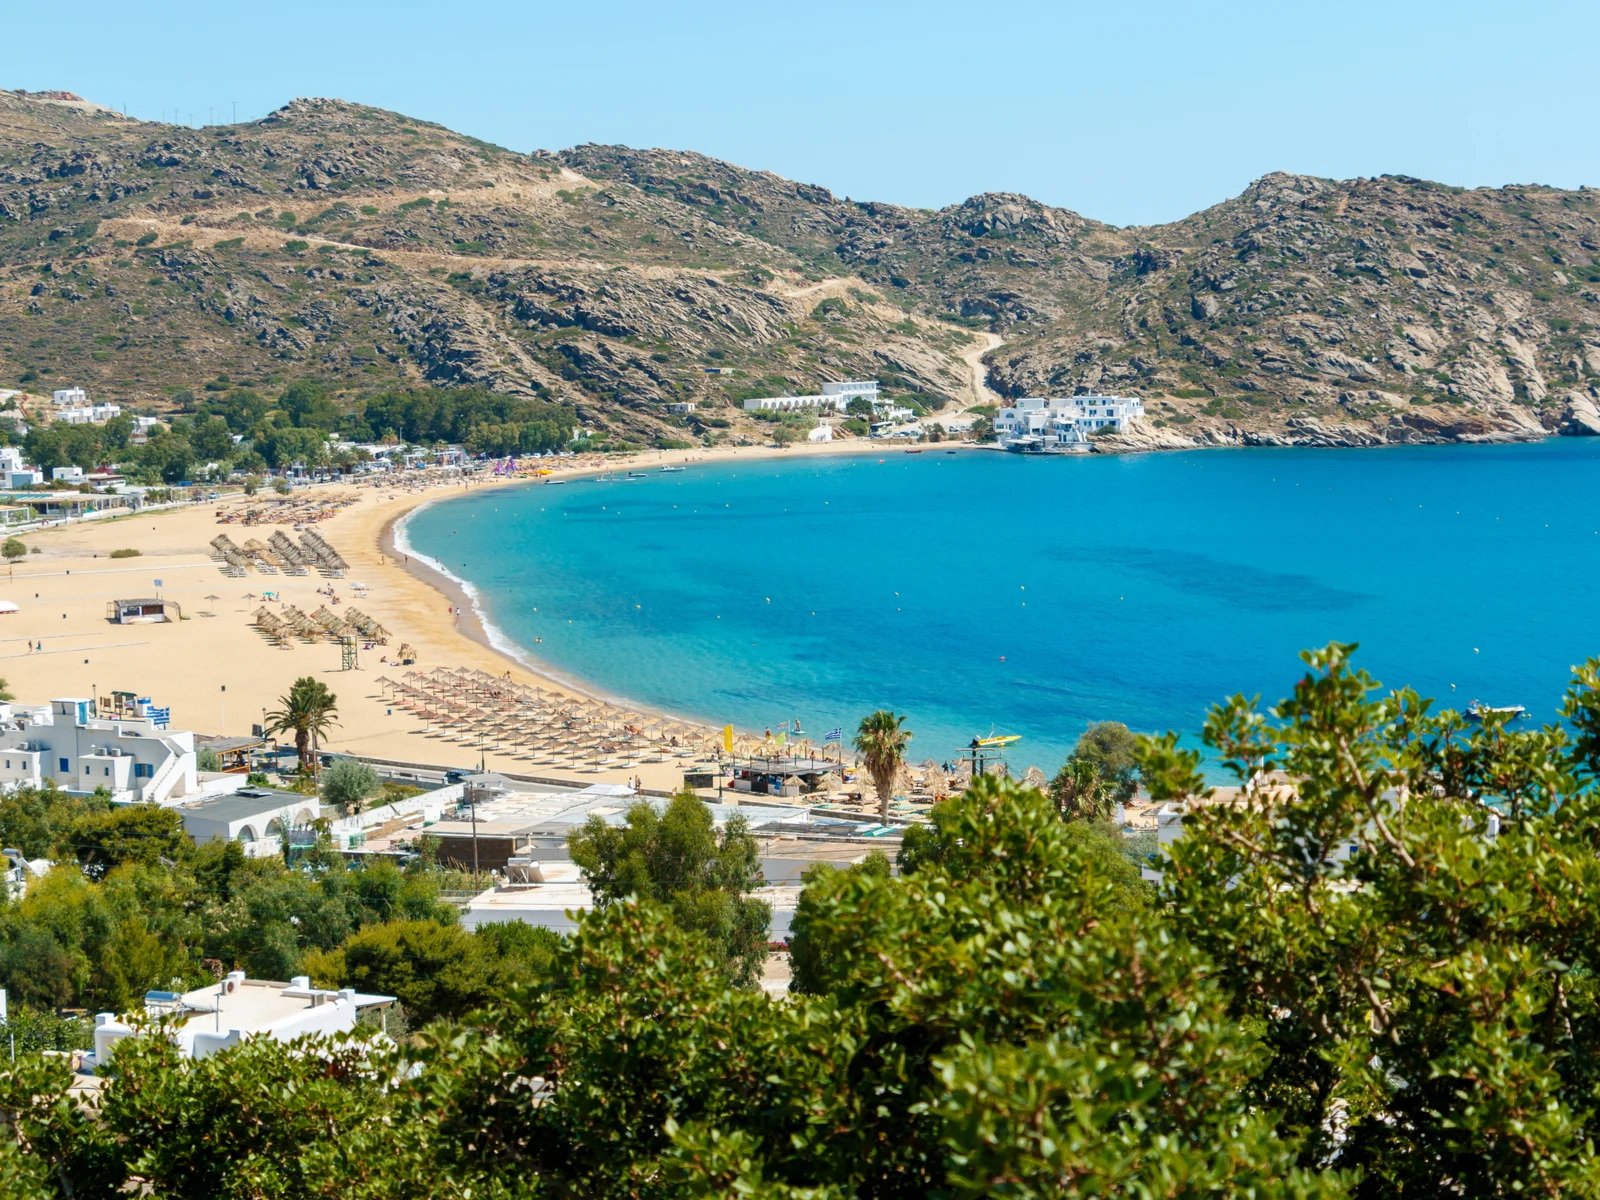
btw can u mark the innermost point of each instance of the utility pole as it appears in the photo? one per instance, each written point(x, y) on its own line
point(472, 804)
point(235, 104)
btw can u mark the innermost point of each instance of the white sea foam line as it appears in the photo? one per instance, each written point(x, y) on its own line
point(497, 637)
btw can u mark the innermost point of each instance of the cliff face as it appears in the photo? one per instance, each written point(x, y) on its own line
point(370, 249)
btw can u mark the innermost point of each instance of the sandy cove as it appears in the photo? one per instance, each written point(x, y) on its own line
point(218, 674)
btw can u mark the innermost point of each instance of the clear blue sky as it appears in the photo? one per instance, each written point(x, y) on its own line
point(1132, 112)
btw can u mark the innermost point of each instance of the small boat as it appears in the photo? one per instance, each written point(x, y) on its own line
point(997, 739)
point(672, 468)
point(949, 451)
point(637, 475)
point(913, 451)
point(555, 482)
point(1478, 710)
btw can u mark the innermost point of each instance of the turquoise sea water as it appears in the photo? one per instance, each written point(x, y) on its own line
point(977, 591)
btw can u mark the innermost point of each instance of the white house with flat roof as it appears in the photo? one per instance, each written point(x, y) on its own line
point(257, 818)
point(1063, 423)
point(87, 414)
point(790, 403)
point(833, 395)
point(236, 1008)
point(135, 758)
point(852, 389)
point(70, 397)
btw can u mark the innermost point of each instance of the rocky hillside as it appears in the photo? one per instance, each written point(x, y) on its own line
point(368, 249)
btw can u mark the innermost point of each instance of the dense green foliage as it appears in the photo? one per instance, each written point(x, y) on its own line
point(678, 858)
point(1014, 1015)
point(434, 969)
point(134, 904)
point(295, 430)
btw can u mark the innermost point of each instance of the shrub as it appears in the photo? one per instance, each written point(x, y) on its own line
point(13, 549)
point(347, 784)
point(146, 239)
point(126, 553)
point(296, 246)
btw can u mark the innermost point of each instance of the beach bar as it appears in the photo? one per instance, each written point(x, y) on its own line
point(785, 776)
point(129, 612)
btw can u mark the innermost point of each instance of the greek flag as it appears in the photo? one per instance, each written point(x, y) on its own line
point(834, 735)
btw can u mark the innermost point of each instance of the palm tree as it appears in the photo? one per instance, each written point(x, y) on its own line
point(308, 711)
point(1082, 792)
point(882, 743)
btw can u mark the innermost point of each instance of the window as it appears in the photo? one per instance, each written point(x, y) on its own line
point(64, 767)
point(108, 770)
point(143, 770)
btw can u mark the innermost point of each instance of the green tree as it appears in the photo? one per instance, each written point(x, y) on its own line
point(279, 1110)
point(348, 784)
point(812, 957)
point(435, 970)
point(211, 439)
point(13, 549)
point(308, 406)
point(1081, 792)
point(241, 408)
point(1111, 747)
point(1405, 924)
point(676, 856)
point(309, 711)
point(881, 740)
point(288, 445)
point(168, 456)
point(104, 836)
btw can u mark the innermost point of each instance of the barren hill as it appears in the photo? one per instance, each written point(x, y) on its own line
point(367, 248)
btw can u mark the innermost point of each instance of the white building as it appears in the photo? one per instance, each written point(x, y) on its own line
point(834, 395)
point(681, 407)
point(71, 397)
point(790, 403)
point(257, 818)
point(67, 474)
point(88, 414)
point(1063, 424)
point(225, 1013)
point(24, 477)
point(135, 758)
point(822, 433)
point(853, 389)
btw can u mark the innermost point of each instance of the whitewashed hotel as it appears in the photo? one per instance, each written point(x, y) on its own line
point(133, 757)
point(1063, 424)
point(833, 395)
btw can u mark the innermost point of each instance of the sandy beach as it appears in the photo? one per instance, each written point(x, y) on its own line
point(218, 674)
